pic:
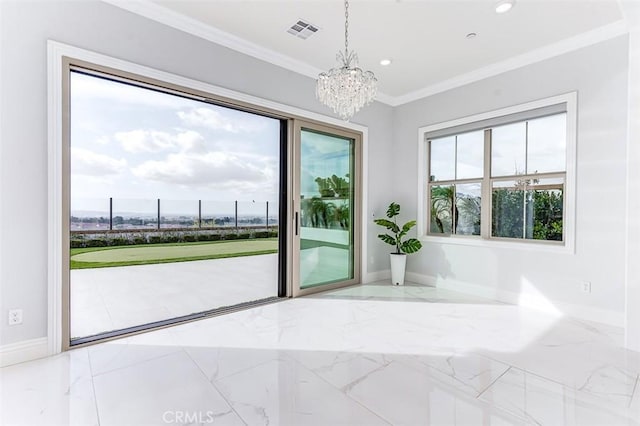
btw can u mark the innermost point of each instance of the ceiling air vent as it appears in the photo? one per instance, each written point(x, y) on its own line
point(302, 29)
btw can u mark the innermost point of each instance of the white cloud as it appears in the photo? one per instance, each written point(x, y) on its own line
point(215, 120)
point(218, 170)
point(102, 140)
point(137, 141)
point(88, 163)
point(191, 142)
point(142, 141)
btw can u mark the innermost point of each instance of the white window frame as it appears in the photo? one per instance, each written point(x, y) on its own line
point(569, 222)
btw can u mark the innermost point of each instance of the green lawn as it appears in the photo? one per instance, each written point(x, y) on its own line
point(102, 257)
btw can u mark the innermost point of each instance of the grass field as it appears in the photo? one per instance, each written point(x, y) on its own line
point(102, 257)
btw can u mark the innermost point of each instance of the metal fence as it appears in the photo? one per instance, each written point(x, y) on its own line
point(156, 216)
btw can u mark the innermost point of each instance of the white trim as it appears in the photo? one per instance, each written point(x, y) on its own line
point(364, 197)
point(376, 276)
point(589, 38)
point(54, 191)
point(1, 165)
point(197, 28)
point(26, 350)
point(631, 10)
point(56, 51)
point(581, 312)
point(571, 99)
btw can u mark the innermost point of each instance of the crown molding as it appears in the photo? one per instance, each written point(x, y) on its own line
point(197, 28)
point(194, 27)
point(589, 38)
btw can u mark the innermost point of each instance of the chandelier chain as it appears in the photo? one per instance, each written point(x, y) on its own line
point(346, 27)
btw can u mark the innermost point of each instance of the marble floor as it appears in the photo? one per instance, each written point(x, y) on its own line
point(368, 355)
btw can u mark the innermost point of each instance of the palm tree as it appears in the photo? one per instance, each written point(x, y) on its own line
point(342, 215)
point(321, 213)
point(443, 206)
point(470, 212)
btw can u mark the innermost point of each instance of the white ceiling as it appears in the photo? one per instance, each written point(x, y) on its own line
point(426, 39)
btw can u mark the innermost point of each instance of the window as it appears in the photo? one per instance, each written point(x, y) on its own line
point(501, 176)
point(456, 170)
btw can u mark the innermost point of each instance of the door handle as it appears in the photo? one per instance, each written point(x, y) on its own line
point(297, 228)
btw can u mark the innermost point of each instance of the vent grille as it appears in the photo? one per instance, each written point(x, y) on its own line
point(303, 29)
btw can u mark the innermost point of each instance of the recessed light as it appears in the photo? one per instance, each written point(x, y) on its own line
point(385, 62)
point(471, 35)
point(504, 6)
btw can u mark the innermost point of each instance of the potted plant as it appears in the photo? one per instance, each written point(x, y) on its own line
point(402, 248)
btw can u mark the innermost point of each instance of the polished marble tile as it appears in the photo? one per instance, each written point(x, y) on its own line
point(406, 396)
point(166, 390)
point(468, 373)
point(585, 364)
point(542, 401)
point(283, 392)
point(341, 369)
point(217, 363)
point(363, 355)
point(129, 351)
point(50, 391)
point(634, 406)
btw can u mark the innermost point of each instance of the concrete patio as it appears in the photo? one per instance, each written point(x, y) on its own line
point(106, 299)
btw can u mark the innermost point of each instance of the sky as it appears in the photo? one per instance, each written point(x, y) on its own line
point(132, 143)
point(538, 146)
point(322, 156)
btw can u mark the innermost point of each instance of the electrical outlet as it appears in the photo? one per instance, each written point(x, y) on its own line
point(585, 286)
point(15, 316)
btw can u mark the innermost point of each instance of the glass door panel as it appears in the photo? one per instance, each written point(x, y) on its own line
point(328, 206)
point(173, 207)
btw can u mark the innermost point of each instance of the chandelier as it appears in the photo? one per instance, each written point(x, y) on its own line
point(346, 89)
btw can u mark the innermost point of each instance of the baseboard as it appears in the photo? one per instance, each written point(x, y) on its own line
point(531, 301)
point(419, 279)
point(27, 350)
point(376, 276)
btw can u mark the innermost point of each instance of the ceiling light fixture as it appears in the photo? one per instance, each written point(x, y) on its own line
point(504, 6)
point(385, 62)
point(346, 89)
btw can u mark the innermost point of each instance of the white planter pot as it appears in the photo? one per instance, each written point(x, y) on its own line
point(398, 266)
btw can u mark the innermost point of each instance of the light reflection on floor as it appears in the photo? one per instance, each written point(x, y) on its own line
point(372, 354)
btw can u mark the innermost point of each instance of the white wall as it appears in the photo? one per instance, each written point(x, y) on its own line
point(599, 74)
point(24, 29)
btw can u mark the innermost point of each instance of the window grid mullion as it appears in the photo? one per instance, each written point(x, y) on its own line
point(454, 200)
point(485, 190)
point(526, 171)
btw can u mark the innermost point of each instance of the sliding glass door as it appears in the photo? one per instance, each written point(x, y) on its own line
point(327, 206)
point(177, 205)
point(173, 206)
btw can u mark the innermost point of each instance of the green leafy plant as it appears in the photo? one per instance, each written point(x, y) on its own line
point(339, 185)
point(408, 246)
point(324, 187)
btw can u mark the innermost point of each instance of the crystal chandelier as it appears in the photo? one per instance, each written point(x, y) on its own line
point(346, 89)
